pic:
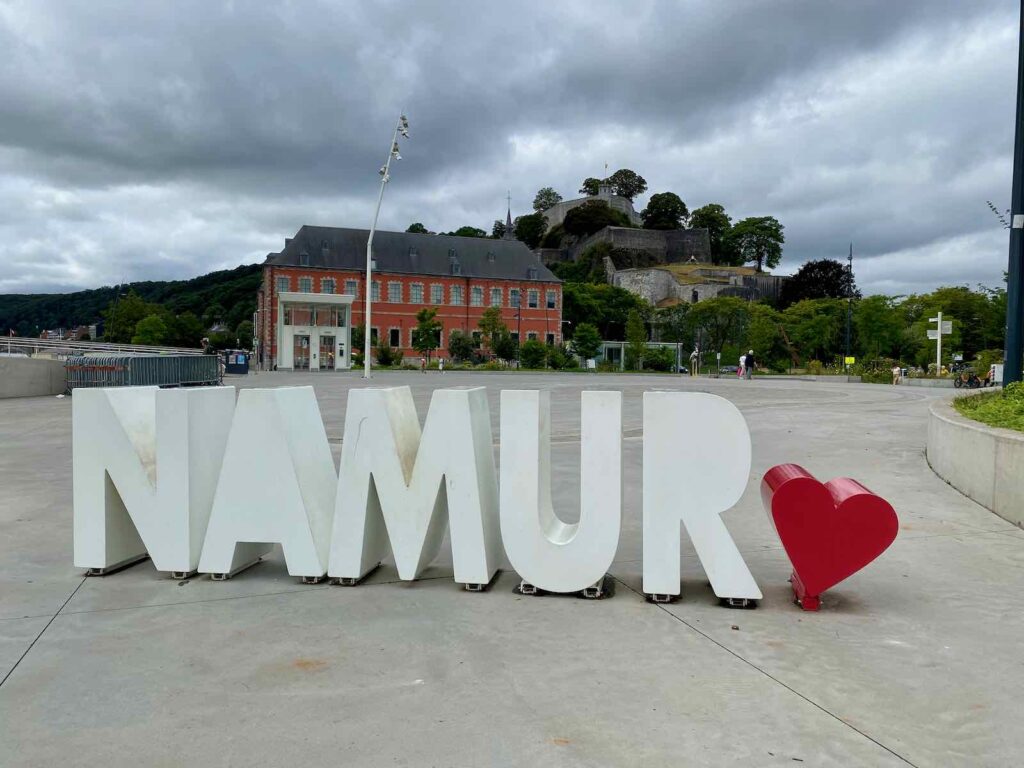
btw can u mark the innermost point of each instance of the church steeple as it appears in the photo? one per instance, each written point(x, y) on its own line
point(509, 234)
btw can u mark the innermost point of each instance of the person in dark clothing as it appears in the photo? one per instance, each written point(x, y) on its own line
point(750, 363)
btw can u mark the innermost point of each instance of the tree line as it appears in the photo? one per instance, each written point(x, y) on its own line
point(755, 240)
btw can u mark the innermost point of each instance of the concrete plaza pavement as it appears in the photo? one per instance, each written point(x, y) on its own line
point(914, 661)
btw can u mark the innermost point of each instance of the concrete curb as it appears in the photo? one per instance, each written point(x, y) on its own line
point(984, 463)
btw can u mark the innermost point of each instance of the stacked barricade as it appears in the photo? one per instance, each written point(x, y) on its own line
point(142, 370)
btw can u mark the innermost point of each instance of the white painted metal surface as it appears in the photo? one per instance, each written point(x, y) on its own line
point(546, 552)
point(403, 486)
point(277, 485)
point(145, 467)
point(696, 461)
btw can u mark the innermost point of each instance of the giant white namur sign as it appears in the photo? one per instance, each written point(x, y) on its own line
point(202, 483)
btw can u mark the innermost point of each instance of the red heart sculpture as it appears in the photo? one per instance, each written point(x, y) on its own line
point(829, 530)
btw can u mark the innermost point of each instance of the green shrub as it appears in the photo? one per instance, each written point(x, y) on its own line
point(387, 356)
point(532, 354)
point(558, 357)
point(997, 409)
point(660, 359)
point(815, 367)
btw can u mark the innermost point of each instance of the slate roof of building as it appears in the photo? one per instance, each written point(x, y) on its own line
point(410, 253)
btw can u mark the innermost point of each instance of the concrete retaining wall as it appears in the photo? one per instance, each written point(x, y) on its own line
point(31, 377)
point(982, 462)
point(941, 383)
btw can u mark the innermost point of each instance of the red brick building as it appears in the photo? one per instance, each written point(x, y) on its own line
point(314, 292)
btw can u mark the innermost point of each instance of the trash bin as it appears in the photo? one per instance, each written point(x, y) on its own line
point(236, 361)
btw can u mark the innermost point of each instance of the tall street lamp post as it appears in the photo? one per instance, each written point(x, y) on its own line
point(1015, 272)
point(402, 127)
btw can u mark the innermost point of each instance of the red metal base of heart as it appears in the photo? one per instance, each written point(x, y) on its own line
point(804, 600)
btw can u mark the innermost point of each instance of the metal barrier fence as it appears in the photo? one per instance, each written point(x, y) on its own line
point(142, 370)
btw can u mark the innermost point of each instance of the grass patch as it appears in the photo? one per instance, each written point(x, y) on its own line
point(997, 409)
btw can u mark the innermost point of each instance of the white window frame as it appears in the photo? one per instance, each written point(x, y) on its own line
point(452, 290)
point(375, 291)
point(501, 296)
point(551, 297)
point(473, 291)
point(533, 299)
point(413, 289)
point(392, 284)
point(355, 288)
point(437, 290)
point(286, 282)
point(515, 298)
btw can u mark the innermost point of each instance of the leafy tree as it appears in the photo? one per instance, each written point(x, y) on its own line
point(546, 197)
point(358, 339)
point(673, 325)
point(588, 267)
point(636, 340)
point(816, 327)
point(213, 315)
point(498, 229)
point(717, 222)
point(426, 336)
point(468, 231)
point(553, 237)
point(186, 330)
point(150, 330)
point(757, 240)
point(532, 354)
point(627, 183)
point(243, 333)
point(721, 320)
point(530, 228)
point(491, 326)
point(222, 340)
point(765, 337)
point(461, 346)
point(591, 216)
point(123, 315)
point(590, 186)
point(606, 306)
point(418, 229)
point(878, 326)
point(821, 279)
point(586, 341)
point(665, 210)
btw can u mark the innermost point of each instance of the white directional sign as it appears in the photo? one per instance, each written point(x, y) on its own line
point(933, 334)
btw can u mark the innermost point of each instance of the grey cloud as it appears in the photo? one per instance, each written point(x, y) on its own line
point(148, 141)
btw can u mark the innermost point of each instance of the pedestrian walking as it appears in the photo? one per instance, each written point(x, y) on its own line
point(749, 365)
point(742, 369)
point(423, 364)
point(440, 364)
point(897, 373)
point(694, 357)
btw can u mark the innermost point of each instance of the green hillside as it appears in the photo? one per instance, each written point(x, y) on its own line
point(232, 290)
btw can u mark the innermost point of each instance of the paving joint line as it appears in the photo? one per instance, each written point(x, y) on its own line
point(304, 589)
point(32, 644)
point(774, 679)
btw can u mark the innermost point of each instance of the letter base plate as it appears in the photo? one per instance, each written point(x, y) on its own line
point(351, 581)
point(126, 563)
point(236, 571)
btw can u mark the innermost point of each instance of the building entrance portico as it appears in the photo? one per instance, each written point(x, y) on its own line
point(315, 331)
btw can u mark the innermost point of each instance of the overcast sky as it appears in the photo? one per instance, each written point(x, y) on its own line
point(155, 141)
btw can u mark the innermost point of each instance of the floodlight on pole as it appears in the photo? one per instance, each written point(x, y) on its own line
point(402, 127)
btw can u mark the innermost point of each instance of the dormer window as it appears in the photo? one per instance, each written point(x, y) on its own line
point(456, 267)
point(531, 273)
point(303, 259)
point(413, 251)
point(490, 256)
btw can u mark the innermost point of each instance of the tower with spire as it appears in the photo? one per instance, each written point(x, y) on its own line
point(509, 234)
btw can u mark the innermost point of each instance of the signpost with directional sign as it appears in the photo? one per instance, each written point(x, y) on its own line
point(943, 328)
